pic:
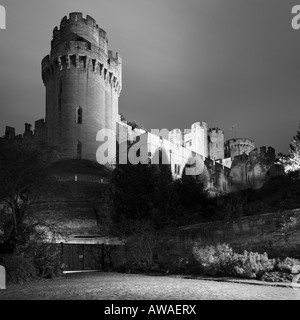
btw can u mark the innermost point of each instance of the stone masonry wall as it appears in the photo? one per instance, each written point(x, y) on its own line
point(278, 234)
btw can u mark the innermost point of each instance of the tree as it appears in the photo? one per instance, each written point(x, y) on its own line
point(148, 194)
point(291, 162)
point(22, 178)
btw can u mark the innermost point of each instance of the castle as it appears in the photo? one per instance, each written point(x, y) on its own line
point(83, 81)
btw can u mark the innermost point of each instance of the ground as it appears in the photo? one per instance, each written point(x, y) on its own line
point(114, 286)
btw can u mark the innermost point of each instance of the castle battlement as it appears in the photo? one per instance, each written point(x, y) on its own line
point(111, 72)
point(77, 28)
point(215, 130)
point(115, 57)
point(77, 18)
point(32, 137)
point(263, 151)
point(233, 143)
point(201, 125)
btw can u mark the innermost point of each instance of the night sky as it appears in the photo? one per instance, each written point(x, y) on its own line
point(224, 62)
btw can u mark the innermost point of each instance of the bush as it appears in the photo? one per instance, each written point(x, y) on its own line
point(185, 265)
point(221, 260)
point(214, 260)
point(289, 265)
point(252, 264)
point(18, 269)
point(47, 261)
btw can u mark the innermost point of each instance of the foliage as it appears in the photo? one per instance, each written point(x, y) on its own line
point(222, 260)
point(276, 276)
point(139, 248)
point(185, 265)
point(278, 194)
point(18, 269)
point(289, 265)
point(149, 193)
point(252, 264)
point(47, 260)
point(291, 162)
point(22, 176)
point(214, 260)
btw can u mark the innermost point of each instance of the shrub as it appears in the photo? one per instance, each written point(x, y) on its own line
point(252, 264)
point(18, 269)
point(47, 260)
point(185, 265)
point(289, 265)
point(221, 260)
point(214, 260)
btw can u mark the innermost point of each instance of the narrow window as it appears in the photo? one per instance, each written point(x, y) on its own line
point(79, 150)
point(60, 95)
point(79, 115)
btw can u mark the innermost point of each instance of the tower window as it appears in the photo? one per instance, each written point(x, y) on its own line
point(60, 95)
point(79, 115)
point(79, 150)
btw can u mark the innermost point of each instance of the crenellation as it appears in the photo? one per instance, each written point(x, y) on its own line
point(10, 132)
point(31, 137)
point(75, 16)
point(28, 127)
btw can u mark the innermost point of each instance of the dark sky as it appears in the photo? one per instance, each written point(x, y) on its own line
point(224, 62)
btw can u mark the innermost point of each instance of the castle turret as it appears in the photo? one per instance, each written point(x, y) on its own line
point(83, 82)
point(199, 140)
point(237, 147)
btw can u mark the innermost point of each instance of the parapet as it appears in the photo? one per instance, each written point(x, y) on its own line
point(215, 130)
point(117, 57)
point(77, 17)
point(28, 135)
point(76, 27)
point(201, 125)
point(240, 142)
point(263, 151)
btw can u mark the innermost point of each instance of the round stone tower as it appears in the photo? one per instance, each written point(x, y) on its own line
point(237, 147)
point(83, 82)
point(199, 135)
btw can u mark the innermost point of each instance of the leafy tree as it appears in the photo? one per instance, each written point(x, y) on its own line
point(291, 162)
point(22, 177)
point(148, 194)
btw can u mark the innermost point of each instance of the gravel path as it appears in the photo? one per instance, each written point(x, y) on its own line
point(113, 286)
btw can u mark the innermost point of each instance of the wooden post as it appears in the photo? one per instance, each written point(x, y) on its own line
point(2, 278)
